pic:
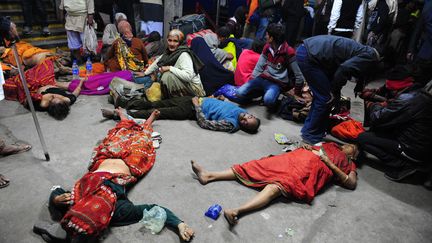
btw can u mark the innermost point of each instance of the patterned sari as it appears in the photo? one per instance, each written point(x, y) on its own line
point(37, 77)
point(93, 201)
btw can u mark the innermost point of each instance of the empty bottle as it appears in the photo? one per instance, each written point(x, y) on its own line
point(75, 70)
point(89, 67)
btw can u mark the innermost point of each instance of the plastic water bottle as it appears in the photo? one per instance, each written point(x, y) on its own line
point(154, 219)
point(89, 67)
point(75, 70)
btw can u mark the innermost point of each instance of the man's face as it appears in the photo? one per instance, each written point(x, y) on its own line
point(247, 119)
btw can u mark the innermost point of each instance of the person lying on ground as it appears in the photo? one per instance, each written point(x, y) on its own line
point(210, 113)
point(123, 157)
point(9, 149)
point(47, 94)
point(270, 75)
point(178, 68)
point(127, 52)
point(299, 174)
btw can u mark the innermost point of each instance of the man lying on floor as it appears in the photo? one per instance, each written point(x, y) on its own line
point(299, 174)
point(99, 198)
point(210, 113)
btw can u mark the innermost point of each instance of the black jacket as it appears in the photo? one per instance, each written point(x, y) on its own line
point(411, 124)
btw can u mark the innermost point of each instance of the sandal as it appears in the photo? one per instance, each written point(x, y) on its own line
point(15, 149)
point(3, 181)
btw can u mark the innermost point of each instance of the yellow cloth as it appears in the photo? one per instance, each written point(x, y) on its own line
point(25, 50)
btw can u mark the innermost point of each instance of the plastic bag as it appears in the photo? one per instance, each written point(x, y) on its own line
point(154, 93)
point(90, 39)
point(154, 219)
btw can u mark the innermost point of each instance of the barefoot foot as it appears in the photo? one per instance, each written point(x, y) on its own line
point(199, 171)
point(110, 114)
point(14, 149)
point(231, 216)
point(3, 181)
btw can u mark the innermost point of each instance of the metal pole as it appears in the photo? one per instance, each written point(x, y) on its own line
point(217, 12)
point(30, 102)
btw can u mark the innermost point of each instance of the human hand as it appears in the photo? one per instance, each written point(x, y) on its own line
point(90, 19)
point(307, 146)
point(164, 69)
point(195, 101)
point(186, 233)
point(63, 199)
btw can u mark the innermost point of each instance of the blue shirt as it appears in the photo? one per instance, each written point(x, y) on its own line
point(218, 110)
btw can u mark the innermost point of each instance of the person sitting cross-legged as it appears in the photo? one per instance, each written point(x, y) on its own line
point(299, 174)
point(210, 113)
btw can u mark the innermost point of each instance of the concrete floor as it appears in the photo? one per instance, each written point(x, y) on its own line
point(377, 211)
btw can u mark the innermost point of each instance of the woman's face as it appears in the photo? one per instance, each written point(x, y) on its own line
point(350, 150)
point(173, 43)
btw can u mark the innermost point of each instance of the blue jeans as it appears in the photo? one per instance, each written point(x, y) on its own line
point(262, 26)
point(146, 80)
point(315, 125)
point(255, 87)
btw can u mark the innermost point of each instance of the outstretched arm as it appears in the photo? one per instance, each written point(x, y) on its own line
point(77, 90)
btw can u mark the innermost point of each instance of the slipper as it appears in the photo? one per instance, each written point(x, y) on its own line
point(3, 181)
point(20, 148)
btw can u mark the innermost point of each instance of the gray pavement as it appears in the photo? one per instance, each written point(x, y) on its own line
point(377, 211)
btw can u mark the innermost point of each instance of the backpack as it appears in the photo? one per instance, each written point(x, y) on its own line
point(189, 24)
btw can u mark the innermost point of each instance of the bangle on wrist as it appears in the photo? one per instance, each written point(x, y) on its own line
point(346, 179)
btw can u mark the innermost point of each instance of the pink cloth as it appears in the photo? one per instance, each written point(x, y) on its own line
point(245, 66)
point(99, 84)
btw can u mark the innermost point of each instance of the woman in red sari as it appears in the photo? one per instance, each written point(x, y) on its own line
point(299, 174)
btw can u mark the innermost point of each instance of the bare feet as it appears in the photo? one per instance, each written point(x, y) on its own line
point(186, 233)
point(199, 171)
point(110, 114)
point(121, 113)
point(231, 216)
point(3, 181)
point(15, 148)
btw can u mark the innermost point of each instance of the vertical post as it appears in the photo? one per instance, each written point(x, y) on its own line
point(171, 8)
point(217, 13)
point(30, 102)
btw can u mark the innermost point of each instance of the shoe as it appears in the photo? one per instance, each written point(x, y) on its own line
point(27, 30)
point(45, 31)
point(398, 175)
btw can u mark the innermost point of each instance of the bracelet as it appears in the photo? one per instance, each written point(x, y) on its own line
point(346, 179)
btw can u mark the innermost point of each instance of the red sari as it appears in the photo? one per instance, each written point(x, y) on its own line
point(37, 77)
point(300, 173)
point(93, 201)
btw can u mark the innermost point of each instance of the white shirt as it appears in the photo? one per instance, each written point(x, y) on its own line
point(1, 83)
